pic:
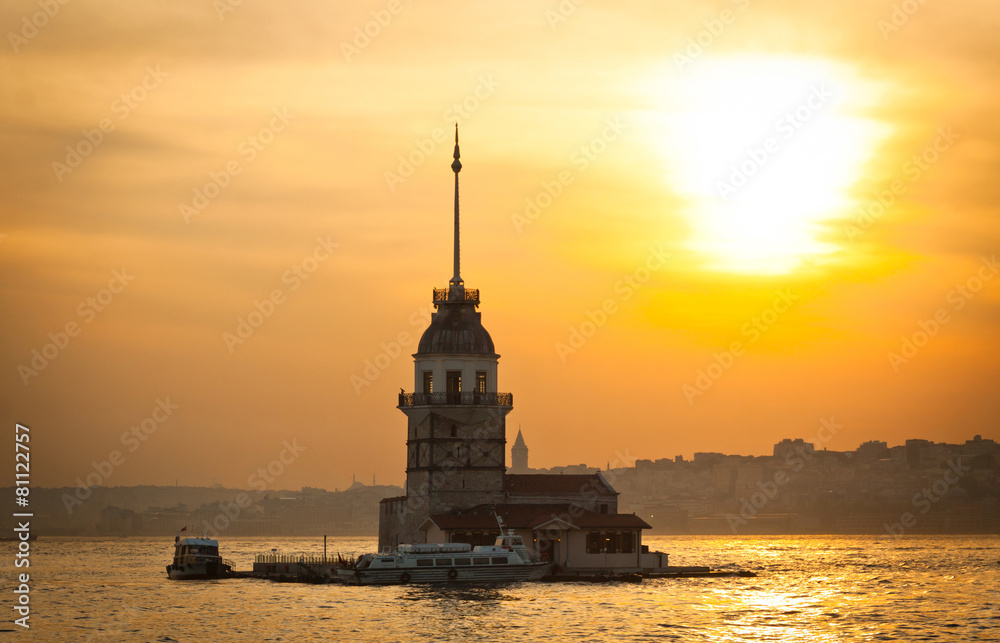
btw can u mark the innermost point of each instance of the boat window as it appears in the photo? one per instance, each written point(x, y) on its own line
point(385, 560)
point(443, 562)
point(463, 561)
point(499, 560)
point(481, 561)
point(425, 562)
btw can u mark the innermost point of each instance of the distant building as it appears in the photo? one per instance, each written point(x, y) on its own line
point(979, 446)
point(519, 455)
point(793, 448)
point(872, 450)
point(916, 452)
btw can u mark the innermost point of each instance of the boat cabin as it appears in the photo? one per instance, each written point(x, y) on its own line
point(195, 550)
point(450, 554)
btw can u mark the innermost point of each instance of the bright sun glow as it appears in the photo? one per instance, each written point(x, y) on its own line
point(765, 151)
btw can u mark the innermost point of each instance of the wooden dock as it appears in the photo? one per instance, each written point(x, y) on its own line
point(316, 570)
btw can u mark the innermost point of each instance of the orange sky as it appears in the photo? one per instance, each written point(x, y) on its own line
point(298, 126)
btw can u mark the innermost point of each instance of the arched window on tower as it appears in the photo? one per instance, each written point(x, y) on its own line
point(428, 382)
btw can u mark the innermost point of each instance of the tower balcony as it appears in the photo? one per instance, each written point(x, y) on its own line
point(456, 295)
point(464, 398)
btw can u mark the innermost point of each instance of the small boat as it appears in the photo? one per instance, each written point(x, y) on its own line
point(507, 560)
point(197, 558)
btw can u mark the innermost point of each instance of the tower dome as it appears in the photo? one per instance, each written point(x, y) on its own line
point(456, 328)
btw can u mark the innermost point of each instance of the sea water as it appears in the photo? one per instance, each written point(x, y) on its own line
point(817, 588)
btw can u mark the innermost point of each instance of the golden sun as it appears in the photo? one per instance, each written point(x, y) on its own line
point(765, 151)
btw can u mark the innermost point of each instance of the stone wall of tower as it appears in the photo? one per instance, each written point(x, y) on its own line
point(455, 460)
point(399, 521)
point(455, 456)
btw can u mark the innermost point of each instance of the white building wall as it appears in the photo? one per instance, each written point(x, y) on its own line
point(438, 365)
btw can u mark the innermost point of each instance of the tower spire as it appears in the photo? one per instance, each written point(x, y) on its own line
point(456, 167)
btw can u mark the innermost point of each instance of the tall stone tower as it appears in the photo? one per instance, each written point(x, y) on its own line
point(519, 455)
point(456, 427)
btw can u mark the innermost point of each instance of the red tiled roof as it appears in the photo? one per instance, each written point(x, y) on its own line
point(533, 516)
point(575, 483)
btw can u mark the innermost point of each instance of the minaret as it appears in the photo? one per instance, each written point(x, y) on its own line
point(519, 455)
point(456, 427)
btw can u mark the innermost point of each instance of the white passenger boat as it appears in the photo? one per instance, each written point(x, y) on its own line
point(505, 561)
point(197, 558)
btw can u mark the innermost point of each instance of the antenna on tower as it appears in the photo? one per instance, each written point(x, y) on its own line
point(456, 167)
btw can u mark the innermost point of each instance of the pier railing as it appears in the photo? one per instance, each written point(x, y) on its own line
point(288, 559)
point(465, 398)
